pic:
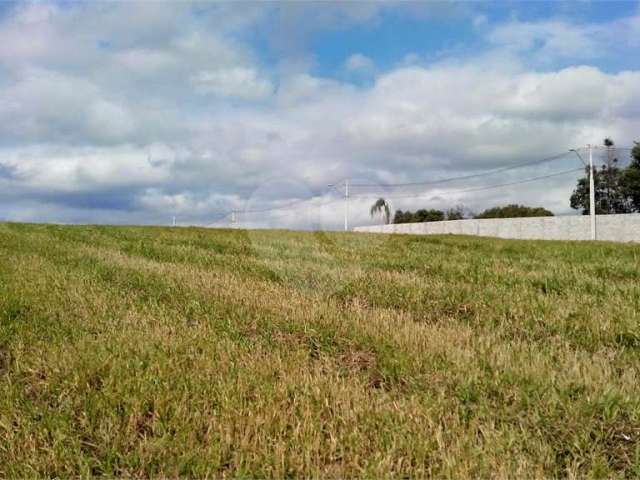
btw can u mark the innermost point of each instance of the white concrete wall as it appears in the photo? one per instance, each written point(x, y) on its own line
point(616, 228)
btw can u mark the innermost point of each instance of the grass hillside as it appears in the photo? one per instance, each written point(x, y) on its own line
point(164, 352)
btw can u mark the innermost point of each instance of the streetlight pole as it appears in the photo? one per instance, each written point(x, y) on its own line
point(592, 192)
point(592, 196)
point(346, 202)
point(346, 205)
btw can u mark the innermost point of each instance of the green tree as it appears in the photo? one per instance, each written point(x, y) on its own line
point(514, 211)
point(580, 199)
point(613, 199)
point(630, 179)
point(401, 217)
point(381, 207)
point(614, 188)
point(456, 213)
point(431, 215)
point(422, 215)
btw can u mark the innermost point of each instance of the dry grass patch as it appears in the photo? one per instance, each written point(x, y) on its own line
point(168, 352)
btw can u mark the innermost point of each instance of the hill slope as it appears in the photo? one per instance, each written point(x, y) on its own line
point(151, 351)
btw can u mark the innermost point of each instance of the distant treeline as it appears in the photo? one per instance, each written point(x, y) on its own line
point(507, 211)
point(513, 211)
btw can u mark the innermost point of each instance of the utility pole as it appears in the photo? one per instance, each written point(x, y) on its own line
point(346, 205)
point(233, 219)
point(174, 221)
point(346, 202)
point(592, 196)
point(592, 190)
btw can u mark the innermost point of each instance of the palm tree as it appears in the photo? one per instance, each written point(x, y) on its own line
point(381, 207)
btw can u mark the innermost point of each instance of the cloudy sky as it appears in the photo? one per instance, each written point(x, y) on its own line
point(122, 112)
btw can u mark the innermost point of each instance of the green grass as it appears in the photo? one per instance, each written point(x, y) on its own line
point(166, 352)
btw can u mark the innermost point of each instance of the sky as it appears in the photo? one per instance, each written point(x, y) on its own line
point(138, 112)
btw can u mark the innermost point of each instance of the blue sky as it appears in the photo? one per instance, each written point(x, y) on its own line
point(133, 112)
point(436, 30)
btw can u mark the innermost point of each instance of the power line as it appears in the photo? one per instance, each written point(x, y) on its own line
point(477, 189)
point(465, 177)
point(220, 219)
point(612, 147)
point(295, 204)
point(321, 204)
point(290, 206)
point(489, 172)
point(283, 207)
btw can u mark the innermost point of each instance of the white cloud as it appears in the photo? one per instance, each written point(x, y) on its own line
point(47, 169)
point(145, 61)
point(240, 82)
point(359, 63)
point(110, 120)
point(306, 89)
point(549, 40)
point(27, 34)
point(479, 21)
point(414, 123)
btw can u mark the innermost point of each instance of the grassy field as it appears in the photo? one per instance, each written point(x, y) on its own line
point(164, 352)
